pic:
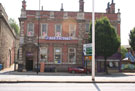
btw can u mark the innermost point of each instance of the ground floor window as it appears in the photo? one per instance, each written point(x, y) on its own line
point(43, 54)
point(113, 64)
point(57, 55)
point(72, 55)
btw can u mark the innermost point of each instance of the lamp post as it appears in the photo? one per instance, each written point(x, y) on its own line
point(38, 37)
point(93, 41)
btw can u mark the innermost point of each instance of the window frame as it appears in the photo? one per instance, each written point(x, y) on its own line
point(60, 30)
point(70, 30)
point(46, 49)
point(28, 27)
point(86, 27)
point(42, 30)
point(74, 62)
point(60, 55)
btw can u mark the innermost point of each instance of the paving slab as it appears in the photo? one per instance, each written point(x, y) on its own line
point(10, 76)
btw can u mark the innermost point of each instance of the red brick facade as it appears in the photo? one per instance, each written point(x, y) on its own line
point(72, 36)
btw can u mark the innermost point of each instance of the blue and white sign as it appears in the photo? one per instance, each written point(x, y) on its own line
point(58, 38)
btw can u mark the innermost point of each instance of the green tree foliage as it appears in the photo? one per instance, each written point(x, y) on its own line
point(14, 25)
point(123, 51)
point(132, 39)
point(107, 41)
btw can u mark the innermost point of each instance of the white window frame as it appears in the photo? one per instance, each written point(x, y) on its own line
point(60, 30)
point(60, 55)
point(74, 62)
point(71, 30)
point(46, 34)
point(46, 52)
point(28, 25)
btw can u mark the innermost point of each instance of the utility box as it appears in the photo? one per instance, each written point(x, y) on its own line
point(42, 66)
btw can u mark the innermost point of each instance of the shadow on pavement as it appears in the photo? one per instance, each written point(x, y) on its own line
point(66, 74)
point(44, 73)
point(115, 74)
point(96, 86)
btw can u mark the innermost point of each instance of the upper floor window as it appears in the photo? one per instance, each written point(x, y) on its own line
point(30, 29)
point(87, 27)
point(58, 30)
point(51, 14)
point(72, 30)
point(44, 30)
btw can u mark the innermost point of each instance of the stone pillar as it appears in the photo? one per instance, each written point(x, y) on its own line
point(20, 61)
point(80, 44)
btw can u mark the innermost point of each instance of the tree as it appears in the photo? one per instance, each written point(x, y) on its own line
point(123, 51)
point(14, 25)
point(132, 39)
point(107, 41)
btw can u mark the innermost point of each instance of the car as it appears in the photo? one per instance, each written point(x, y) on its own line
point(78, 70)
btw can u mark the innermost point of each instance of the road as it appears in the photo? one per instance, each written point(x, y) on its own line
point(68, 87)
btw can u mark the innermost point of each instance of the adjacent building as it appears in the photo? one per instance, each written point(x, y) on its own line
point(7, 40)
point(57, 37)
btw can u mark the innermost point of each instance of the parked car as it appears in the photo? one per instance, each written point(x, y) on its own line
point(78, 70)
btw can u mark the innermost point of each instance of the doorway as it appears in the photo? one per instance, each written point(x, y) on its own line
point(29, 65)
point(100, 66)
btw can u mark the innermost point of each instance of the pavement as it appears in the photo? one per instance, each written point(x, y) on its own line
point(10, 76)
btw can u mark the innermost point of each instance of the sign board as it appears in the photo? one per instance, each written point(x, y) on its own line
point(88, 57)
point(87, 49)
point(58, 38)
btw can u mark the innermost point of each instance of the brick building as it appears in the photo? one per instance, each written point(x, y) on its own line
point(7, 40)
point(61, 36)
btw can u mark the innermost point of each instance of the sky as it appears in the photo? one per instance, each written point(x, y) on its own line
point(13, 9)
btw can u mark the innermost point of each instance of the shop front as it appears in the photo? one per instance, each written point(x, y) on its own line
point(58, 57)
point(112, 63)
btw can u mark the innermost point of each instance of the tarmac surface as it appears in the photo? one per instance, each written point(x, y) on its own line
point(10, 76)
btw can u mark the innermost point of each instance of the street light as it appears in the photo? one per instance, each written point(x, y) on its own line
point(38, 37)
point(93, 41)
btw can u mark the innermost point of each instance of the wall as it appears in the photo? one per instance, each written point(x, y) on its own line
point(7, 40)
point(7, 45)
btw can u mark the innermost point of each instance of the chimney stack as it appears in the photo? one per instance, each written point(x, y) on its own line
point(24, 5)
point(42, 8)
point(81, 6)
point(112, 1)
point(62, 7)
point(110, 7)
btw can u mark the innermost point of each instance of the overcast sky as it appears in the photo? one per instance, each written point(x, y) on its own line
point(13, 9)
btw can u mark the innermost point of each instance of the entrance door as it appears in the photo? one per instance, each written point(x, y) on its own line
point(29, 65)
point(100, 66)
